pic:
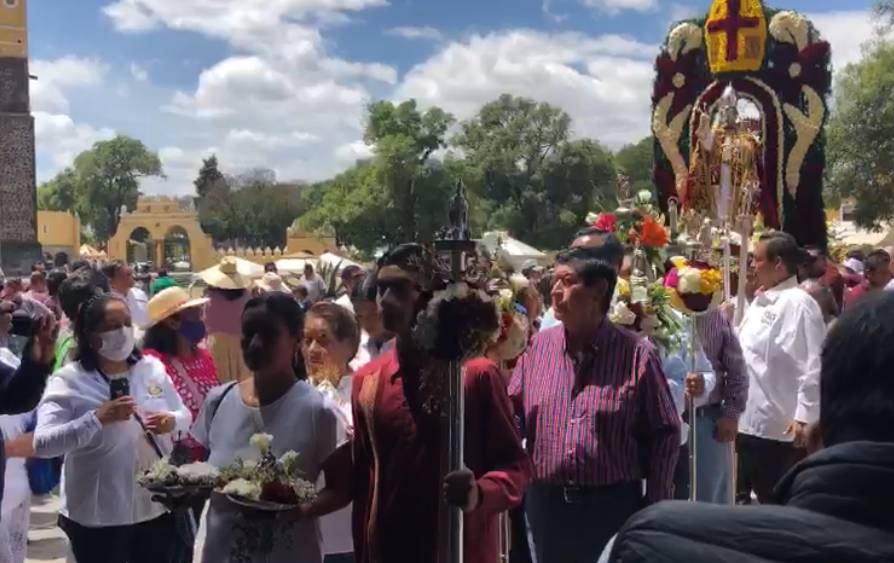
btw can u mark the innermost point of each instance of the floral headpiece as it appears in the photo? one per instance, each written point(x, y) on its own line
point(694, 287)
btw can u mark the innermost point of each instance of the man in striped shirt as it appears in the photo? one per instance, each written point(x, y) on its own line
point(597, 415)
point(717, 423)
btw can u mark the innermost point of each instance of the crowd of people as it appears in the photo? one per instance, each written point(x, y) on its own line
point(576, 429)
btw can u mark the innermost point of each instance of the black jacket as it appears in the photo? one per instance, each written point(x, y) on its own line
point(838, 508)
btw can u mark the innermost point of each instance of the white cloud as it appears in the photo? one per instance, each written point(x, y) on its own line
point(846, 32)
point(59, 140)
point(679, 12)
point(546, 7)
point(139, 73)
point(207, 15)
point(271, 101)
point(349, 153)
point(614, 6)
point(247, 138)
point(55, 77)
point(603, 82)
point(409, 32)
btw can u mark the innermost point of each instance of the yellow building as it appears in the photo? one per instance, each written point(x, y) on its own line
point(299, 241)
point(59, 231)
point(13, 29)
point(163, 232)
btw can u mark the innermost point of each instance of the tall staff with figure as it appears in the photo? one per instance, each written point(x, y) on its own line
point(430, 482)
point(723, 184)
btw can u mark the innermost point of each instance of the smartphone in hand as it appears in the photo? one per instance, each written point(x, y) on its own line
point(119, 388)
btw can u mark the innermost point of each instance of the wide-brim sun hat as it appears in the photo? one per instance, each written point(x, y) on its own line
point(225, 276)
point(272, 282)
point(169, 302)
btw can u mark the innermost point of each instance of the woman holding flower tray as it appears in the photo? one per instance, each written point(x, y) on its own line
point(276, 411)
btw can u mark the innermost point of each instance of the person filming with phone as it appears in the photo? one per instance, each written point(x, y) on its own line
point(112, 413)
point(27, 345)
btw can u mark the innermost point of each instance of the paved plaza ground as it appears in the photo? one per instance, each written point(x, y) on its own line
point(46, 542)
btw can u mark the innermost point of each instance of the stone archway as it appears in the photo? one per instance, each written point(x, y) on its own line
point(139, 246)
point(176, 247)
point(161, 217)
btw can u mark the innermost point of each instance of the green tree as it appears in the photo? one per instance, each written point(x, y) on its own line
point(358, 207)
point(540, 185)
point(101, 182)
point(861, 136)
point(403, 139)
point(210, 177)
point(108, 180)
point(214, 201)
point(60, 193)
point(885, 10)
point(635, 162)
point(263, 212)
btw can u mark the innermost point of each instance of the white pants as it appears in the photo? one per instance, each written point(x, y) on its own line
point(14, 533)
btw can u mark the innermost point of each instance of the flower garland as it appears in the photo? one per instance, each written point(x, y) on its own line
point(683, 39)
point(694, 287)
point(808, 129)
point(458, 324)
point(790, 27)
point(795, 57)
point(642, 224)
point(652, 317)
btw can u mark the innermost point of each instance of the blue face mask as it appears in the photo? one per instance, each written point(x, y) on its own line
point(194, 331)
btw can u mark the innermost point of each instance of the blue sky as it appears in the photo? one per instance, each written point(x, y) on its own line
point(283, 83)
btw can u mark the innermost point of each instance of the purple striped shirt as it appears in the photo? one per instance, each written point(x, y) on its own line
point(721, 346)
point(617, 424)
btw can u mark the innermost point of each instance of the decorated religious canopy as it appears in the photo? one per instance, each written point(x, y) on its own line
point(776, 60)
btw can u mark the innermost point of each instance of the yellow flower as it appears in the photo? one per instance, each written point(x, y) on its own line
point(712, 281)
point(679, 262)
point(623, 288)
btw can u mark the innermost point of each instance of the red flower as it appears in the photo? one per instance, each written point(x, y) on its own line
point(654, 234)
point(606, 223)
point(505, 326)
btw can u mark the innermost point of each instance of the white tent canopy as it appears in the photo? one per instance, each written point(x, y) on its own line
point(503, 247)
point(296, 265)
point(849, 234)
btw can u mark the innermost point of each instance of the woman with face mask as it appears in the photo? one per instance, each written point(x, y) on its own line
point(276, 400)
point(176, 328)
point(331, 338)
point(112, 413)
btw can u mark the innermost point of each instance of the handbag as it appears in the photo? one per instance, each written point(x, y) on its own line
point(44, 475)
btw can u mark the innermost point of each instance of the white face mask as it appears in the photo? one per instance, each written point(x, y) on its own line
point(118, 344)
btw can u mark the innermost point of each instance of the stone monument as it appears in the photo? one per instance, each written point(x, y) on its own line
point(18, 190)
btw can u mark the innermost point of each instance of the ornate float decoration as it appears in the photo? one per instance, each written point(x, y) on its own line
point(777, 61)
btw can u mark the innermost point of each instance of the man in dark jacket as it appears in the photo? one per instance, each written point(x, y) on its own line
point(836, 504)
point(22, 386)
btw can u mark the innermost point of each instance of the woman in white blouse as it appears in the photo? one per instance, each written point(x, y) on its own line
point(108, 441)
point(331, 338)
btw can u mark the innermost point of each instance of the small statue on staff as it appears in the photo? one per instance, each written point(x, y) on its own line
point(723, 175)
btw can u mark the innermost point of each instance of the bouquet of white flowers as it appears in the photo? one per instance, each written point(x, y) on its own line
point(267, 484)
point(174, 484)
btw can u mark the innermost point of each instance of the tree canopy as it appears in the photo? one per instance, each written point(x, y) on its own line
point(541, 185)
point(101, 182)
point(861, 136)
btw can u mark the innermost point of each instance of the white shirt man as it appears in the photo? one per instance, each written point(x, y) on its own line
point(316, 287)
point(122, 286)
point(781, 335)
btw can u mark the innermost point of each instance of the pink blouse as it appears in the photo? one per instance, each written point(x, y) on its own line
point(201, 374)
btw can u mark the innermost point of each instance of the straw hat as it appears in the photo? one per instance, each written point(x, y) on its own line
point(225, 275)
point(169, 302)
point(273, 282)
